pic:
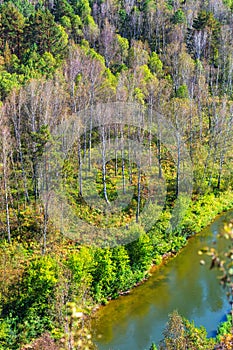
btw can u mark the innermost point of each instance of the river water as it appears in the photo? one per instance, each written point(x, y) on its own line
point(134, 321)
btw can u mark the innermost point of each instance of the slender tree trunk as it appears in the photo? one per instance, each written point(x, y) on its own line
point(221, 160)
point(159, 150)
point(150, 133)
point(178, 166)
point(91, 124)
point(129, 159)
point(191, 132)
point(138, 194)
point(122, 161)
point(7, 212)
point(80, 167)
point(47, 188)
point(18, 140)
point(104, 165)
point(159, 156)
point(6, 193)
point(116, 150)
point(45, 228)
point(212, 167)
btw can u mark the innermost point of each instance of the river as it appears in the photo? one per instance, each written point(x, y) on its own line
point(134, 321)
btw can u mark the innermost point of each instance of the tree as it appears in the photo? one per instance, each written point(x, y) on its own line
point(204, 36)
point(222, 260)
point(14, 113)
point(178, 17)
point(181, 334)
point(104, 274)
point(155, 64)
point(107, 43)
point(83, 10)
point(123, 47)
point(4, 164)
point(8, 82)
point(225, 62)
point(62, 8)
point(174, 333)
point(138, 55)
point(12, 28)
point(179, 112)
point(26, 7)
point(102, 132)
point(46, 34)
point(140, 252)
point(149, 13)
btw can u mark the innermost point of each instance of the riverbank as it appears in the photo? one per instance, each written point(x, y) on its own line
point(35, 293)
point(200, 213)
point(181, 284)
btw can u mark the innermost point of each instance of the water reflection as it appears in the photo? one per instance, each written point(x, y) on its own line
point(135, 320)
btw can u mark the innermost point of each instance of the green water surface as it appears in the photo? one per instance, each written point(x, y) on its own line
point(134, 321)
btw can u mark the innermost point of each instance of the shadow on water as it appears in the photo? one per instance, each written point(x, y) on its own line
point(134, 321)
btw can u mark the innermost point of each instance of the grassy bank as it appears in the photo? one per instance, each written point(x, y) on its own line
point(42, 293)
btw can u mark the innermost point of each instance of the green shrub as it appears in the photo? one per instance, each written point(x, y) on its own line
point(224, 328)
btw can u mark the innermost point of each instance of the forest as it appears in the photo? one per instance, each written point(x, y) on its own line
point(116, 121)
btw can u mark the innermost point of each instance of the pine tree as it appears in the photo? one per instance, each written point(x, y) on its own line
point(46, 34)
point(11, 28)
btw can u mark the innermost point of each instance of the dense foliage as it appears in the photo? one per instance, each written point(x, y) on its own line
point(182, 334)
point(59, 57)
